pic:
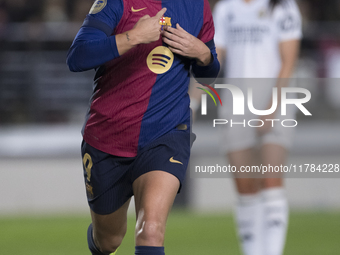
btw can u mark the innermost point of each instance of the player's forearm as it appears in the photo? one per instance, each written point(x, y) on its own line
point(286, 70)
point(281, 82)
point(87, 53)
point(208, 71)
point(126, 41)
point(204, 58)
point(283, 79)
point(289, 52)
point(289, 57)
point(145, 31)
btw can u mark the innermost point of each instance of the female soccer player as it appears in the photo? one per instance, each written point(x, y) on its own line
point(136, 137)
point(258, 39)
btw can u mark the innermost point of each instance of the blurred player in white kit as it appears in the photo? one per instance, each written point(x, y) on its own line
point(258, 39)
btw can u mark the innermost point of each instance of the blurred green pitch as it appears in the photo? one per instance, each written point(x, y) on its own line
point(187, 233)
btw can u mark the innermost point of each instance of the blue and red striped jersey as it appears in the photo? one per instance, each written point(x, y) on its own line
point(142, 94)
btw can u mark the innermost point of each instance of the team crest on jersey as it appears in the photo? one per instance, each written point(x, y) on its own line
point(160, 60)
point(97, 6)
point(165, 21)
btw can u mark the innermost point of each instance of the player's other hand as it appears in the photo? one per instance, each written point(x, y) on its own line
point(147, 29)
point(181, 42)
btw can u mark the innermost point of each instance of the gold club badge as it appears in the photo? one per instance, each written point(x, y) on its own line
point(165, 21)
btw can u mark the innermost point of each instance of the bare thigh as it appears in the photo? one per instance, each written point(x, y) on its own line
point(109, 230)
point(154, 193)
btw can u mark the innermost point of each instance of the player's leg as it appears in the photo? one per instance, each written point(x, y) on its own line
point(248, 207)
point(106, 232)
point(108, 192)
point(274, 201)
point(245, 183)
point(154, 192)
point(273, 155)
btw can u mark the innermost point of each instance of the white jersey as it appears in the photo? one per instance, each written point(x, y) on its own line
point(251, 34)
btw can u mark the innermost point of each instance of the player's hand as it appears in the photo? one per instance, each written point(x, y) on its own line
point(147, 29)
point(181, 42)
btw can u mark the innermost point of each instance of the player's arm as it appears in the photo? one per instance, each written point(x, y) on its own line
point(146, 30)
point(289, 51)
point(183, 43)
point(289, 35)
point(195, 94)
point(221, 53)
point(211, 67)
point(201, 48)
point(94, 46)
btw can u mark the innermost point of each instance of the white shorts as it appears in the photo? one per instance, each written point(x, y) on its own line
point(238, 137)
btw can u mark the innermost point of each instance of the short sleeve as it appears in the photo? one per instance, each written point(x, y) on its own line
point(220, 25)
point(288, 21)
point(105, 15)
point(208, 30)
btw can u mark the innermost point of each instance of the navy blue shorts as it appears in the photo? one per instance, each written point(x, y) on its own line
point(109, 178)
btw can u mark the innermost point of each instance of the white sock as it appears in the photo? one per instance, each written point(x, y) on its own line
point(275, 220)
point(248, 217)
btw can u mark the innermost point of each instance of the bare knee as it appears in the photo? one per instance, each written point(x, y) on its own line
point(150, 233)
point(248, 186)
point(108, 244)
